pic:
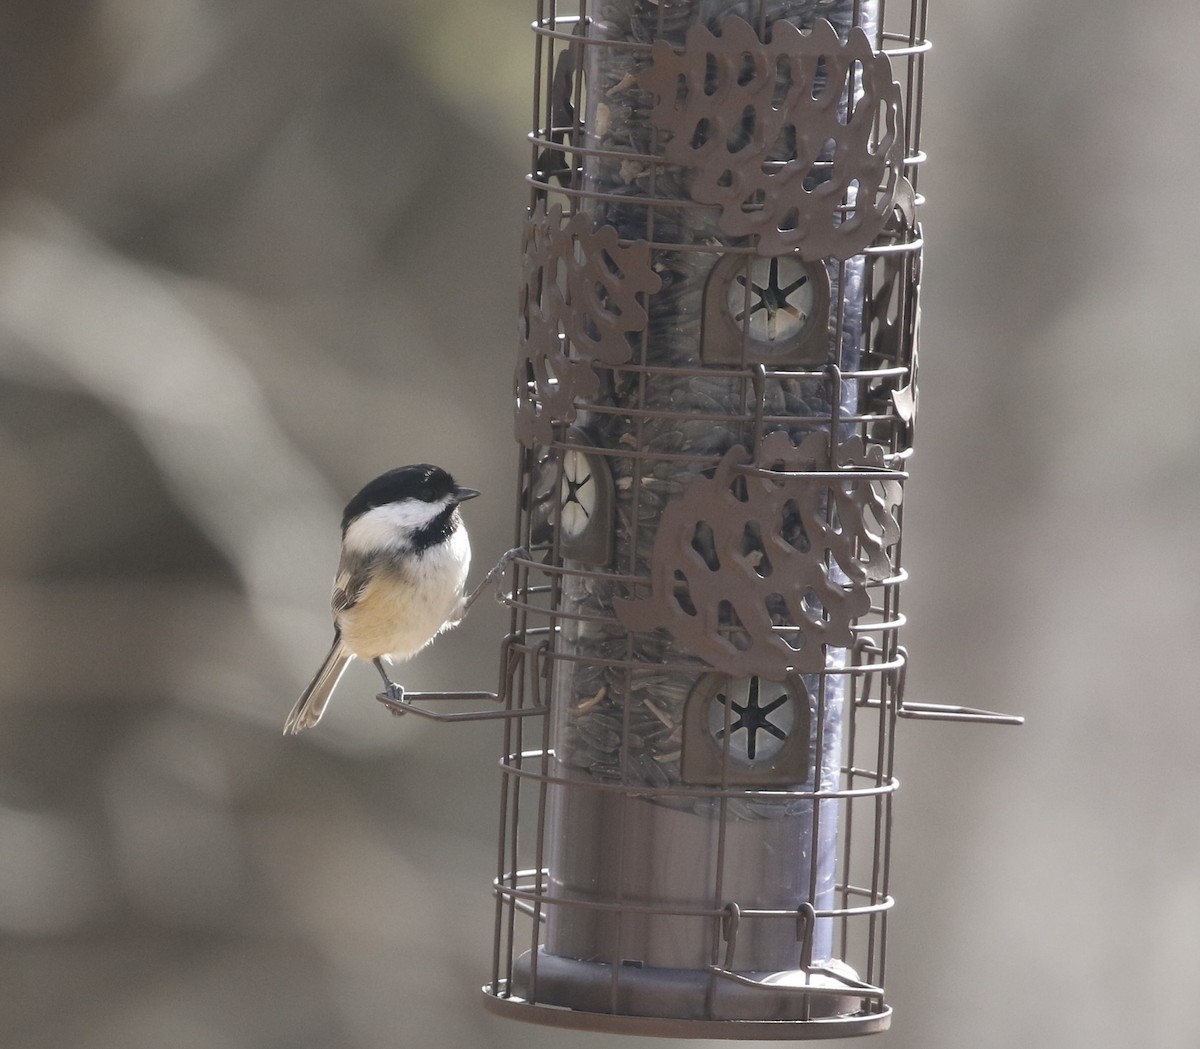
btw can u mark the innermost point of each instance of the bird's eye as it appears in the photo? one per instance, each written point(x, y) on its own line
point(427, 495)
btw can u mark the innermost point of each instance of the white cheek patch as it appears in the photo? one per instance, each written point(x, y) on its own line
point(389, 527)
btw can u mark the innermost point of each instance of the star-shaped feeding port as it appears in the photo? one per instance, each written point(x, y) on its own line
point(747, 731)
point(780, 300)
point(758, 726)
point(578, 493)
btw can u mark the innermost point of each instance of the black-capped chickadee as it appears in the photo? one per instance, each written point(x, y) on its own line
point(400, 581)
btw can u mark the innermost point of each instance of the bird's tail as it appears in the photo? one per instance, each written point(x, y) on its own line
point(311, 704)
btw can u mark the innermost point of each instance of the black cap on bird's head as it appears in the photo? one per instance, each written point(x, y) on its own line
point(420, 482)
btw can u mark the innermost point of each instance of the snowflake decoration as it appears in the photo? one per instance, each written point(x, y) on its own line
point(580, 303)
point(756, 573)
point(798, 140)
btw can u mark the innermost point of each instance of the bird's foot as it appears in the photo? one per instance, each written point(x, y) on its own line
point(392, 697)
point(506, 559)
point(515, 554)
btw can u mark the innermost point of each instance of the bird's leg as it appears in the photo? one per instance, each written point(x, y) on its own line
point(506, 559)
point(394, 691)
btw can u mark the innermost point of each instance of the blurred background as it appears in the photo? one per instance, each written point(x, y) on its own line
point(253, 252)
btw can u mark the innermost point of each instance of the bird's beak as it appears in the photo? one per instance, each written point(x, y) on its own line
point(462, 494)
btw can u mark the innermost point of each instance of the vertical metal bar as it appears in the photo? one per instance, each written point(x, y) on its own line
point(717, 902)
point(539, 46)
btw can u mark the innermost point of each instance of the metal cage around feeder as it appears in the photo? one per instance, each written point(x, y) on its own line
point(714, 397)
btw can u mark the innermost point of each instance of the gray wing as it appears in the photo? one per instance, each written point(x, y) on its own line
point(353, 578)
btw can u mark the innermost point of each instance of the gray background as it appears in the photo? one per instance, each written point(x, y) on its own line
point(252, 252)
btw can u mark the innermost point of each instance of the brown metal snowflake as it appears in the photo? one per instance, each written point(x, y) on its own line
point(581, 302)
point(797, 139)
point(759, 568)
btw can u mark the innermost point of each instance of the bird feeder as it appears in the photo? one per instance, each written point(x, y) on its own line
point(715, 397)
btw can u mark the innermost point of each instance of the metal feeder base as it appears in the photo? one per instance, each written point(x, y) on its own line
point(682, 1003)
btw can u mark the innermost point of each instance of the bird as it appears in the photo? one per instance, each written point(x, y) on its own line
point(400, 581)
